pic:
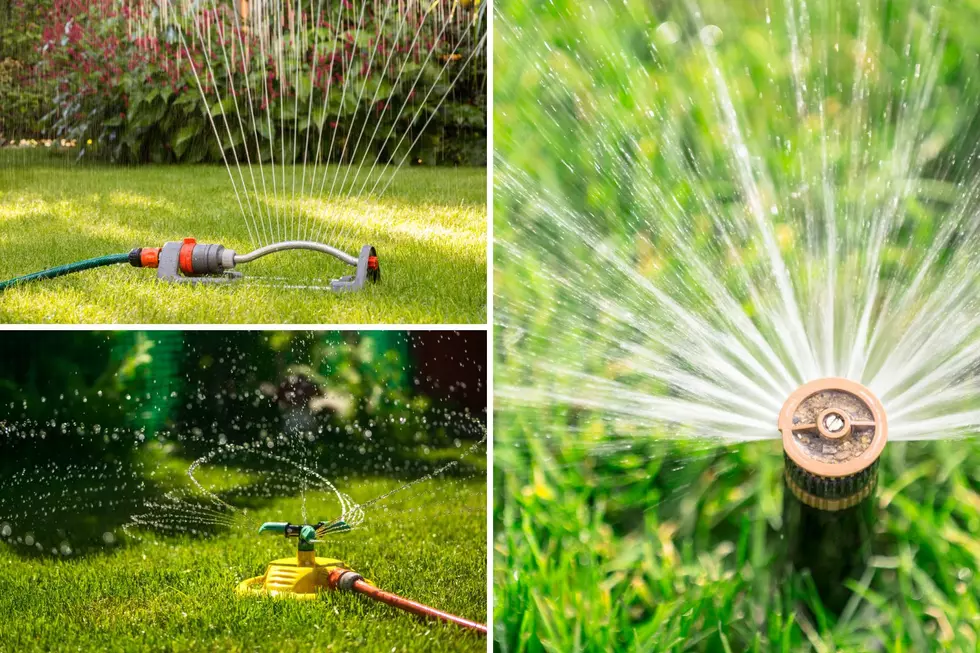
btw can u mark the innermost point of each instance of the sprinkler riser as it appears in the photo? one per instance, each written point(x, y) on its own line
point(834, 545)
point(834, 432)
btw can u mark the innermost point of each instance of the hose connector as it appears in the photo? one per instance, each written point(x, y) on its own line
point(192, 262)
point(343, 579)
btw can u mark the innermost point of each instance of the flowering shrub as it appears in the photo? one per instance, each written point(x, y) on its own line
point(135, 85)
point(24, 97)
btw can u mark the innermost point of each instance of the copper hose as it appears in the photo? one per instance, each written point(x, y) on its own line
point(346, 579)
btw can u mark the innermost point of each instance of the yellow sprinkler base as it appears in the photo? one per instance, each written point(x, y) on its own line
point(300, 577)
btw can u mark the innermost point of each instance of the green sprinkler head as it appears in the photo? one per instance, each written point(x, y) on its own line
point(306, 534)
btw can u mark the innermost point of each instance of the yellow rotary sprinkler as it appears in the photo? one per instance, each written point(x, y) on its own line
point(300, 577)
point(306, 575)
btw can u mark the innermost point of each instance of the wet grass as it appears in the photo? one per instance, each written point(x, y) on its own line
point(606, 544)
point(429, 229)
point(177, 593)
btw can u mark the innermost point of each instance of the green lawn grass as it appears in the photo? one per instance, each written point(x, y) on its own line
point(429, 229)
point(602, 544)
point(177, 593)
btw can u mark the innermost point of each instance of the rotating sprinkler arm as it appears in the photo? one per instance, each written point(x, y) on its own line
point(294, 244)
point(305, 533)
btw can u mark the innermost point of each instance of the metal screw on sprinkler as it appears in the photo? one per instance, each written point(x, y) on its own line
point(194, 263)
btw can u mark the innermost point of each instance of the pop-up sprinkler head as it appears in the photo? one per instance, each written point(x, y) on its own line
point(304, 576)
point(833, 430)
point(193, 262)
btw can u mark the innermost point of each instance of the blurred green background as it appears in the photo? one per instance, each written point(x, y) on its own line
point(609, 537)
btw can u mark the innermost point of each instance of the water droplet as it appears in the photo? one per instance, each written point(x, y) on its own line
point(668, 32)
point(711, 35)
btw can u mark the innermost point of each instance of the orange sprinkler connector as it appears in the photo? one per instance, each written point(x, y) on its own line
point(150, 257)
point(349, 580)
point(145, 257)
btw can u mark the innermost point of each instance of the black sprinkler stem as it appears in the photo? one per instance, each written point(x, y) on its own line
point(830, 533)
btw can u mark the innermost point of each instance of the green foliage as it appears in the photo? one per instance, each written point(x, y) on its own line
point(168, 97)
point(301, 384)
point(26, 95)
point(75, 393)
point(565, 119)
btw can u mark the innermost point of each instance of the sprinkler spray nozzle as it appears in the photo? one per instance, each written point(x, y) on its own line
point(833, 431)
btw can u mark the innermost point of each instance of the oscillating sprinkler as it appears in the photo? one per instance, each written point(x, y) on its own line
point(306, 575)
point(197, 263)
point(834, 431)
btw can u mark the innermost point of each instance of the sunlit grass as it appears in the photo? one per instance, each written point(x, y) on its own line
point(178, 593)
point(429, 229)
point(637, 546)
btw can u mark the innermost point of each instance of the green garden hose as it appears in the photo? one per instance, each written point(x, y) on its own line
point(62, 270)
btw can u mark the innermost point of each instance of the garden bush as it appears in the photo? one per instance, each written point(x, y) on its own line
point(25, 95)
point(135, 85)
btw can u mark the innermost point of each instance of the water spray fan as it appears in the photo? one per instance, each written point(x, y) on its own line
point(306, 575)
point(198, 263)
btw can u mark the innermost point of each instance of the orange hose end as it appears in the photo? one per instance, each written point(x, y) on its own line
point(150, 257)
point(185, 260)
